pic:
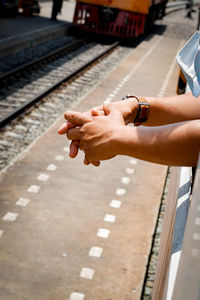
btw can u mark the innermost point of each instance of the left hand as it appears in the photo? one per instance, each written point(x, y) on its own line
point(97, 134)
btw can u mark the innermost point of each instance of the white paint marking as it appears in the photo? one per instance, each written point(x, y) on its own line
point(103, 233)
point(51, 167)
point(195, 252)
point(115, 92)
point(76, 296)
point(125, 180)
point(118, 89)
point(64, 254)
point(109, 218)
point(96, 252)
point(59, 157)
point(111, 95)
point(196, 236)
point(22, 202)
point(66, 149)
point(197, 221)
point(115, 203)
point(129, 171)
point(33, 189)
point(9, 216)
point(121, 85)
point(43, 177)
point(120, 191)
point(108, 99)
point(1, 233)
point(133, 161)
point(87, 273)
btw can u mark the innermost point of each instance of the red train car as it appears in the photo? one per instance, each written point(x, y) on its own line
point(118, 18)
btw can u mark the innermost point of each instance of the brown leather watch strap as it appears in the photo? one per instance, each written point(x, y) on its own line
point(142, 112)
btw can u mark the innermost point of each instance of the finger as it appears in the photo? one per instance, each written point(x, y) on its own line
point(74, 146)
point(95, 163)
point(74, 134)
point(112, 110)
point(77, 117)
point(96, 113)
point(86, 162)
point(65, 127)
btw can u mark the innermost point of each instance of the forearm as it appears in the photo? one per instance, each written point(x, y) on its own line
point(172, 109)
point(175, 144)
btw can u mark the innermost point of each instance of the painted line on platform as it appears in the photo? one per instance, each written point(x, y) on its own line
point(87, 273)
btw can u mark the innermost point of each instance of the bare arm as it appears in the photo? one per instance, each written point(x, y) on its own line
point(176, 144)
point(172, 109)
point(104, 137)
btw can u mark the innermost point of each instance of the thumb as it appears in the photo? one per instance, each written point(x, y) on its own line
point(77, 117)
point(112, 110)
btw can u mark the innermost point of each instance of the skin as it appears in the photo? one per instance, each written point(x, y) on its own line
point(102, 132)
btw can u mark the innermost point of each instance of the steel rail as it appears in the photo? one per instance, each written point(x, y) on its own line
point(45, 57)
point(12, 115)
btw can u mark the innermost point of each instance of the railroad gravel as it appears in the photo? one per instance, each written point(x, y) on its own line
point(34, 122)
point(32, 52)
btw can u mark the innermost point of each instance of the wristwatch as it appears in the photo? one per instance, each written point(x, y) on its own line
point(142, 112)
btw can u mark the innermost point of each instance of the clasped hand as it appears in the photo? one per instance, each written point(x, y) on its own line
point(95, 132)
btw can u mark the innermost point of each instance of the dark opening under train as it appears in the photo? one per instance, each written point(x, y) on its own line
point(118, 18)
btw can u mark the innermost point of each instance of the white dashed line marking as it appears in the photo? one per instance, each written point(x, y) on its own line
point(115, 203)
point(51, 168)
point(109, 218)
point(1, 233)
point(22, 202)
point(111, 95)
point(87, 273)
point(108, 99)
point(59, 157)
point(125, 180)
point(64, 254)
point(66, 149)
point(33, 189)
point(96, 252)
point(43, 177)
point(76, 296)
point(195, 252)
point(103, 233)
point(133, 161)
point(196, 236)
point(9, 216)
point(197, 221)
point(129, 171)
point(120, 191)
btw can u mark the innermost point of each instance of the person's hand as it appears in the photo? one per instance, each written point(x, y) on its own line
point(97, 134)
point(128, 109)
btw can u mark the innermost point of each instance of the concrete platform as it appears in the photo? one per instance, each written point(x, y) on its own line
point(72, 232)
point(24, 32)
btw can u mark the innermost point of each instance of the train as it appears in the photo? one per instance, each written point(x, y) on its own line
point(122, 19)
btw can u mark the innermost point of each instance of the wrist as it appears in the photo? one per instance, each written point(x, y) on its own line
point(131, 110)
point(141, 115)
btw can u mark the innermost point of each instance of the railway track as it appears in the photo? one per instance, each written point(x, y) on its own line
point(26, 85)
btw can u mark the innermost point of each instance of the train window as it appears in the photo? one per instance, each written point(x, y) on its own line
point(121, 29)
point(84, 14)
point(111, 28)
point(131, 22)
point(117, 29)
point(79, 14)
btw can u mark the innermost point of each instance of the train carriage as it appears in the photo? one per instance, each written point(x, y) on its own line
point(118, 18)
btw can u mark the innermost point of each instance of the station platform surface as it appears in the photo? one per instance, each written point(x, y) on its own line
point(70, 231)
point(22, 31)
